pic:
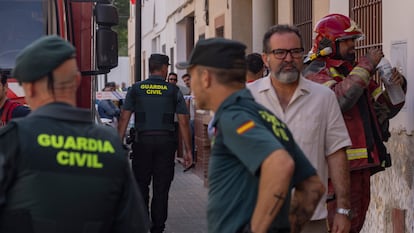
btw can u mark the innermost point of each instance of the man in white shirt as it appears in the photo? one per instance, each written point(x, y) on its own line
point(312, 113)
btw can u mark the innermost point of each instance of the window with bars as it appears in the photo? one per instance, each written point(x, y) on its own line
point(302, 19)
point(368, 15)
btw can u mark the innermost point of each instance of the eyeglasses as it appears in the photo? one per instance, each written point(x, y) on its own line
point(172, 79)
point(282, 53)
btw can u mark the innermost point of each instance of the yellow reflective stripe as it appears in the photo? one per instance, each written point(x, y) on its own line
point(329, 83)
point(335, 73)
point(358, 153)
point(376, 93)
point(361, 72)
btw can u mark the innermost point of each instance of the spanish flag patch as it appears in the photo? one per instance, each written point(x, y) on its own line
point(245, 126)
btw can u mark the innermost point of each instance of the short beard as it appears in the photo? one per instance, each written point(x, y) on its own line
point(287, 77)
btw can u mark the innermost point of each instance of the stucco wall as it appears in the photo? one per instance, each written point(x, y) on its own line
point(397, 21)
point(393, 188)
point(163, 19)
point(320, 9)
point(339, 6)
point(284, 13)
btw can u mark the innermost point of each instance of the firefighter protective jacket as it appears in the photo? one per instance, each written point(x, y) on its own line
point(365, 107)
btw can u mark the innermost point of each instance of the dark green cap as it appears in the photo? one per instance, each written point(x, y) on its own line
point(217, 53)
point(159, 59)
point(41, 57)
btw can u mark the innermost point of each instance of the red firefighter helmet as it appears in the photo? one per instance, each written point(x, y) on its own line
point(333, 28)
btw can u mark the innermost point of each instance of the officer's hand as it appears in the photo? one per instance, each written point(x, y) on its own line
point(188, 159)
point(375, 55)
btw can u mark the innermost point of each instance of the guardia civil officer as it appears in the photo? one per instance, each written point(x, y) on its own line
point(60, 172)
point(154, 102)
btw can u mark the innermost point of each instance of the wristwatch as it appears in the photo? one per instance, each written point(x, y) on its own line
point(347, 212)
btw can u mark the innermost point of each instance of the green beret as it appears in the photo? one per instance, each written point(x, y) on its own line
point(217, 53)
point(41, 57)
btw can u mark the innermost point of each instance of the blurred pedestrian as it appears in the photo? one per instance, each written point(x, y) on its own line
point(191, 109)
point(8, 108)
point(173, 79)
point(187, 80)
point(255, 67)
point(107, 110)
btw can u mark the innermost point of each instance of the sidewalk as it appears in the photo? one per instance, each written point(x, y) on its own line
point(187, 203)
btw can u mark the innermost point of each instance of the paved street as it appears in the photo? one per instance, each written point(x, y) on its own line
point(187, 204)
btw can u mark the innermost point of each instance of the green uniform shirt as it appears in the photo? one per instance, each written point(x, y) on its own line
point(130, 99)
point(60, 172)
point(155, 103)
point(246, 133)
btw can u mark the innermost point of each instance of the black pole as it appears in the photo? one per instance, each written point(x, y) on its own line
point(138, 34)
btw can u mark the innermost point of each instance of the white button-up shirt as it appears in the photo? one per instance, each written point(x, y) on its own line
point(315, 120)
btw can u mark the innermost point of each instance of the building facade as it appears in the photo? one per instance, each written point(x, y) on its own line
point(173, 27)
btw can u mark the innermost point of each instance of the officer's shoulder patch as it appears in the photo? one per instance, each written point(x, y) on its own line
point(245, 127)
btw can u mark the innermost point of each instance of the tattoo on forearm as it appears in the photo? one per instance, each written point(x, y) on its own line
point(279, 197)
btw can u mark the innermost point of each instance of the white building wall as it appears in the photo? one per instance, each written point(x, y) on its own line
point(164, 31)
point(180, 51)
point(393, 188)
point(119, 74)
point(285, 12)
point(320, 9)
point(262, 20)
point(339, 6)
point(397, 19)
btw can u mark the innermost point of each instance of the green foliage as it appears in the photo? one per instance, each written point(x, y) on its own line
point(122, 28)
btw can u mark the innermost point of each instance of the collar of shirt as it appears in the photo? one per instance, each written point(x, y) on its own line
point(63, 111)
point(265, 84)
point(232, 100)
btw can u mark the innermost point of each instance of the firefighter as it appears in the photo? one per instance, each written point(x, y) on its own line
point(154, 102)
point(365, 106)
point(60, 172)
point(8, 108)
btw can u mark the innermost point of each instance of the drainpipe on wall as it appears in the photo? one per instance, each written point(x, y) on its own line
point(138, 35)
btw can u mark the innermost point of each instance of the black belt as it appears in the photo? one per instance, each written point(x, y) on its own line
point(155, 133)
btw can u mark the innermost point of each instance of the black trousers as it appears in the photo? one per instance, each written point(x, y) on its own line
point(154, 159)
